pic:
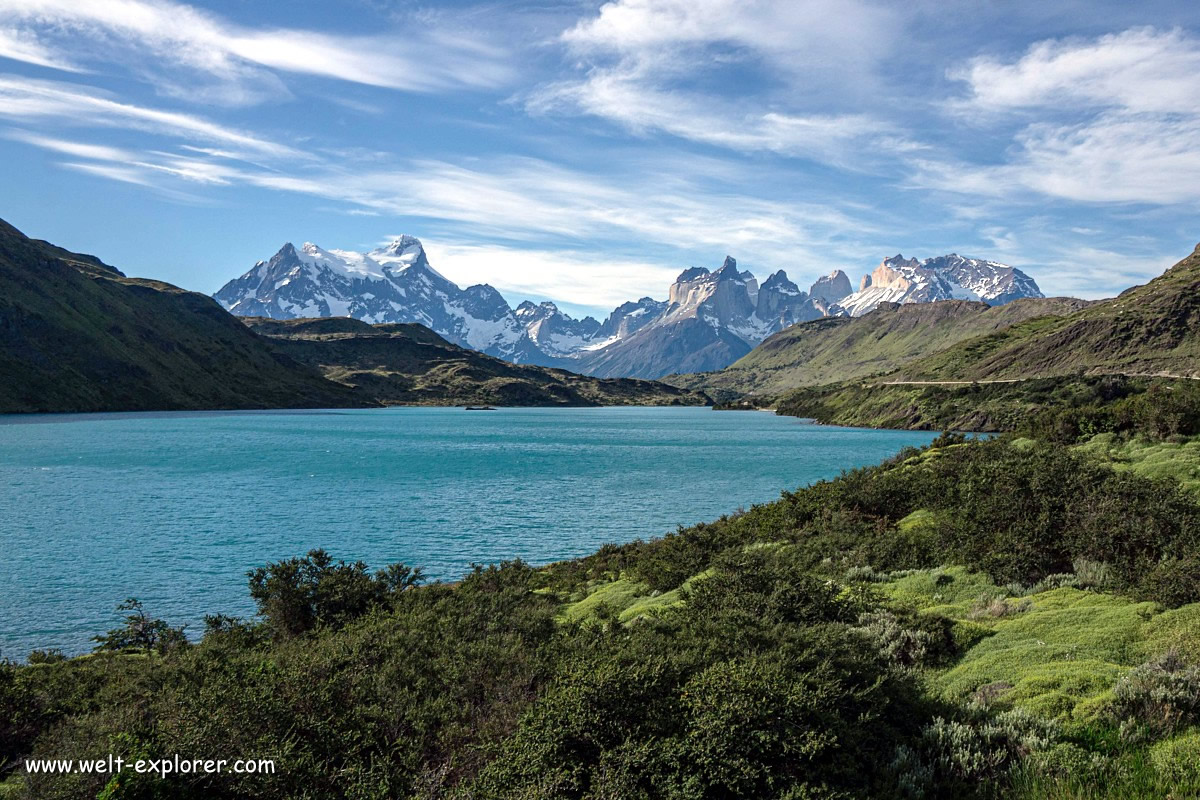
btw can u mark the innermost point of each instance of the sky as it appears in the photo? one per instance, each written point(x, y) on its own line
point(588, 152)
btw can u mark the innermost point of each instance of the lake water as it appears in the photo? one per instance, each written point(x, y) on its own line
point(174, 508)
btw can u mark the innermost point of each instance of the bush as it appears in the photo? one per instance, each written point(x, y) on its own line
point(1177, 760)
point(752, 688)
point(1157, 698)
point(297, 595)
point(1091, 574)
point(958, 754)
point(1173, 581)
point(140, 632)
point(904, 647)
point(50, 656)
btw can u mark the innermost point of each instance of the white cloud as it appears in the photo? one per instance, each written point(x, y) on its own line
point(24, 46)
point(534, 202)
point(658, 66)
point(97, 152)
point(1139, 70)
point(642, 107)
point(1115, 121)
point(113, 172)
point(238, 61)
point(71, 104)
point(822, 37)
point(1080, 270)
point(567, 277)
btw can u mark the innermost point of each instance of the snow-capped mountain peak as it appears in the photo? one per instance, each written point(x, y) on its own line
point(555, 332)
point(394, 283)
point(907, 280)
point(401, 251)
point(401, 245)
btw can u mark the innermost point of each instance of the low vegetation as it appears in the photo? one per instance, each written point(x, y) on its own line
point(1058, 409)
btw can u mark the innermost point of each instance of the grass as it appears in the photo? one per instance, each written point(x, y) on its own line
point(1179, 460)
point(1061, 658)
point(837, 349)
point(1079, 776)
point(627, 599)
point(948, 591)
point(617, 595)
point(1177, 629)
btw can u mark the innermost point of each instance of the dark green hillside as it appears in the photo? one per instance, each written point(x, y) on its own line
point(410, 364)
point(838, 349)
point(77, 335)
point(1151, 329)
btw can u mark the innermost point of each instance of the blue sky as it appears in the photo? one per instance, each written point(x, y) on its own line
point(588, 152)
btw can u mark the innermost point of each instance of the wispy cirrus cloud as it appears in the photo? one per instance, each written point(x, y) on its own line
point(74, 105)
point(20, 45)
point(526, 201)
point(197, 55)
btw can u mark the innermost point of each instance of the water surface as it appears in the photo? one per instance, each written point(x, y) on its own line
point(174, 508)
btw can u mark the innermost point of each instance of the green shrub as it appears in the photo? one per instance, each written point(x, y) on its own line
point(955, 755)
point(140, 632)
point(1157, 698)
point(51, 656)
point(297, 595)
point(899, 645)
point(1177, 760)
point(1173, 581)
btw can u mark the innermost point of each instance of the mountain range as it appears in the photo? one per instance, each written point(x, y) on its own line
point(709, 319)
point(963, 364)
point(78, 335)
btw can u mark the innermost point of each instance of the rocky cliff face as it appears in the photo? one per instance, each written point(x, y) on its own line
point(831, 288)
point(628, 318)
point(709, 318)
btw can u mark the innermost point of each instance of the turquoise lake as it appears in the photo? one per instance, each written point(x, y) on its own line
point(174, 508)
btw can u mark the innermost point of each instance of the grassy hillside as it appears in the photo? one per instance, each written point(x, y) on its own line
point(412, 365)
point(839, 349)
point(1150, 329)
point(1058, 408)
point(1004, 618)
point(77, 335)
